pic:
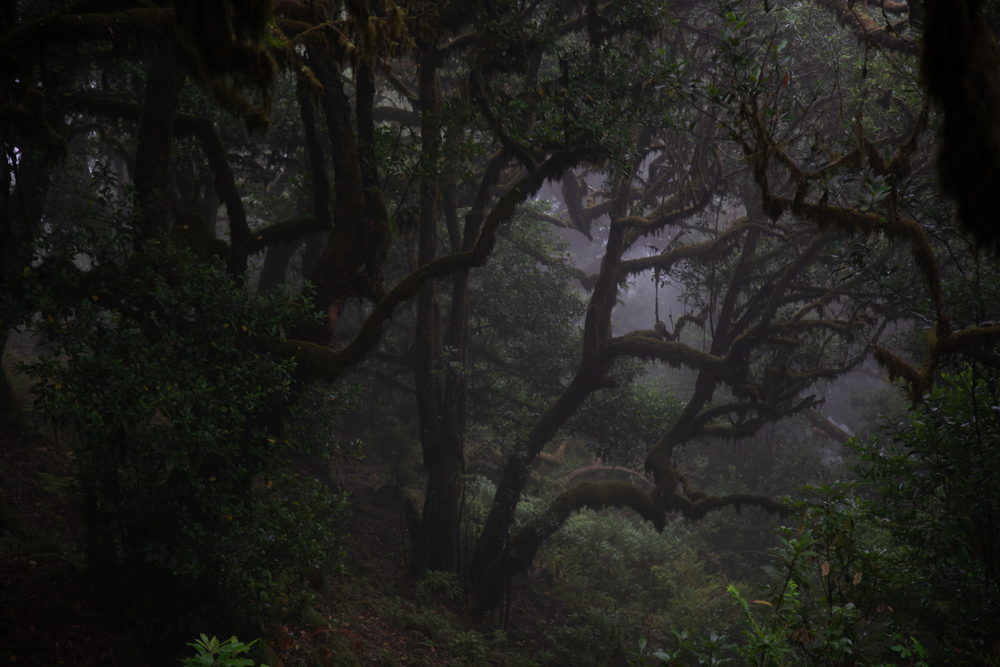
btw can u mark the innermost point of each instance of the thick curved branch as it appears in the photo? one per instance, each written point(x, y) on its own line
point(823, 425)
point(318, 361)
point(523, 546)
point(545, 217)
point(382, 114)
point(598, 468)
point(697, 503)
point(519, 554)
point(979, 341)
point(557, 458)
point(382, 376)
point(649, 348)
point(705, 251)
point(666, 213)
point(866, 27)
point(586, 280)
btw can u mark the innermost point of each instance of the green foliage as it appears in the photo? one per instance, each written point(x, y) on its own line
point(938, 499)
point(435, 581)
point(213, 653)
point(589, 637)
point(621, 422)
point(772, 463)
point(524, 324)
point(825, 604)
point(159, 376)
point(438, 634)
point(896, 569)
point(607, 563)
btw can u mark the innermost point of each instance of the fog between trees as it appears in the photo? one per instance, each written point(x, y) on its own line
point(663, 231)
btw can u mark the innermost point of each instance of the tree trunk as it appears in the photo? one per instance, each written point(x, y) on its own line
point(12, 255)
point(440, 439)
point(11, 416)
point(272, 274)
point(152, 153)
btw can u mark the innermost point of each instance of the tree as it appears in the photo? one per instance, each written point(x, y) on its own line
point(442, 121)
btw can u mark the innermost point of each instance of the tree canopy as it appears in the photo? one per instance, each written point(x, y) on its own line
point(465, 192)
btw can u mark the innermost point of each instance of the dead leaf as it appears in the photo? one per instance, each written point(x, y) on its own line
point(825, 568)
point(857, 578)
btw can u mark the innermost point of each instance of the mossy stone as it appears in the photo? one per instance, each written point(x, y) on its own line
point(312, 617)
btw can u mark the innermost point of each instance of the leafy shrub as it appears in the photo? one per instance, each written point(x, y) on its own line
point(213, 653)
point(435, 581)
point(621, 567)
point(938, 497)
point(159, 375)
point(900, 568)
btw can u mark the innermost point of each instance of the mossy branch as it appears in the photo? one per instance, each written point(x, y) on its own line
point(697, 503)
point(524, 545)
point(557, 458)
point(520, 552)
point(867, 29)
point(586, 280)
point(705, 251)
point(919, 381)
point(648, 348)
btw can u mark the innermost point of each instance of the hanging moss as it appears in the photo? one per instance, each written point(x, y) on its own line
point(230, 100)
point(228, 39)
point(918, 382)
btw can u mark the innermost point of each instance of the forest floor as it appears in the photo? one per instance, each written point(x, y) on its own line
point(53, 613)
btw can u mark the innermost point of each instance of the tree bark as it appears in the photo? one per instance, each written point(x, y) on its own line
point(12, 246)
point(340, 261)
point(12, 418)
point(152, 153)
point(272, 273)
point(439, 523)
